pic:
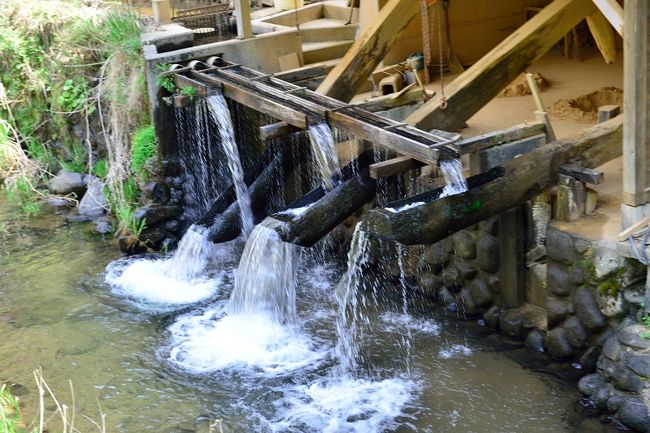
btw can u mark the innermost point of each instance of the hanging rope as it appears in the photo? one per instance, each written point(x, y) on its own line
point(295, 9)
point(438, 23)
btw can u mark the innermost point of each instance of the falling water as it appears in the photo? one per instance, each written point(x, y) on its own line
point(266, 276)
point(221, 116)
point(452, 170)
point(324, 148)
point(192, 255)
point(346, 349)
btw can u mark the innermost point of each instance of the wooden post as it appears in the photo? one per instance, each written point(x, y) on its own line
point(368, 50)
point(541, 113)
point(603, 34)
point(512, 261)
point(635, 100)
point(243, 12)
point(486, 78)
point(613, 12)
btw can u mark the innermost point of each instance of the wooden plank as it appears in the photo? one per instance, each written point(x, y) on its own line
point(393, 166)
point(603, 34)
point(541, 113)
point(275, 130)
point(622, 236)
point(369, 49)
point(613, 11)
point(289, 61)
point(583, 174)
point(498, 155)
point(606, 112)
point(306, 72)
point(479, 84)
point(489, 139)
point(243, 17)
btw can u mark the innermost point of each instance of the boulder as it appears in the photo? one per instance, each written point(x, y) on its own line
point(558, 345)
point(626, 380)
point(535, 341)
point(575, 332)
point(491, 317)
point(68, 182)
point(591, 383)
point(556, 309)
point(93, 203)
point(487, 253)
point(153, 214)
point(559, 247)
point(631, 336)
point(558, 279)
point(510, 323)
point(467, 270)
point(612, 349)
point(640, 364)
point(589, 359)
point(587, 310)
point(481, 293)
point(634, 413)
point(464, 245)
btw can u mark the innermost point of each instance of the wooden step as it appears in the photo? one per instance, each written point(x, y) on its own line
point(314, 52)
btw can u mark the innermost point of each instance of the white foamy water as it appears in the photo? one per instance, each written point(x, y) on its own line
point(253, 342)
point(327, 158)
point(344, 405)
point(221, 115)
point(455, 351)
point(175, 280)
point(452, 170)
point(398, 322)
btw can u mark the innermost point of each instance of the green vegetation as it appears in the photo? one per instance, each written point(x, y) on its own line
point(190, 92)
point(645, 321)
point(70, 72)
point(10, 419)
point(165, 81)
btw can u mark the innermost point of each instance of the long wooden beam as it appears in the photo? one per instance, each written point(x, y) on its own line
point(486, 78)
point(427, 218)
point(603, 34)
point(477, 143)
point(613, 12)
point(368, 50)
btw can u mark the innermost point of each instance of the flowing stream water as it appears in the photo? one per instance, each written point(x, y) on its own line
point(221, 116)
point(324, 149)
point(164, 371)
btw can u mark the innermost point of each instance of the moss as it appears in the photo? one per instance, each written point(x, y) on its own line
point(143, 148)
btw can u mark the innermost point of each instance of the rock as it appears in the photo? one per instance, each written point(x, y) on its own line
point(447, 245)
point(480, 292)
point(610, 306)
point(556, 310)
point(510, 323)
point(154, 235)
point(448, 299)
point(491, 317)
point(464, 245)
point(93, 203)
point(558, 280)
point(640, 364)
point(606, 262)
point(466, 269)
point(533, 317)
point(153, 214)
point(494, 284)
point(436, 256)
point(535, 341)
point(57, 202)
point(589, 359)
point(612, 349)
point(557, 344)
point(625, 380)
point(487, 253)
point(131, 245)
point(581, 246)
point(468, 305)
point(614, 403)
point(591, 383)
point(104, 225)
point(172, 226)
point(575, 332)
point(157, 192)
point(171, 167)
point(490, 226)
point(429, 284)
point(634, 413)
point(587, 310)
point(559, 247)
point(452, 278)
point(67, 182)
point(631, 336)
point(576, 275)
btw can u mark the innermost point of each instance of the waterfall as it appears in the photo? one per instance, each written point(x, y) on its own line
point(324, 148)
point(218, 108)
point(192, 255)
point(452, 170)
point(346, 349)
point(266, 276)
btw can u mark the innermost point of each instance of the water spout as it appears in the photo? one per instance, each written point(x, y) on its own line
point(324, 148)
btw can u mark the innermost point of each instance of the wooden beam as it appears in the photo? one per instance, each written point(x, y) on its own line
point(368, 50)
point(479, 84)
point(613, 11)
point(603, 34)
point(477, 143)
point(495, 191)
point(243, 13)
point(583, 174)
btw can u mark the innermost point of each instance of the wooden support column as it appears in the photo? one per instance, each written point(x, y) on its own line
point(511, 257)
point(243, 12)
point(368, 50)
point(613, 12)
point(486, 78)
point(603, 34)
point(636, 134)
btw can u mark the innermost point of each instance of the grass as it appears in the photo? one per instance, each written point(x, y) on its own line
point(143, 148)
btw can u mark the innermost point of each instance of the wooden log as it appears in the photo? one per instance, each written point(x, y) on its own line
point(319, 218)
point(613, 11)
point(275, 130)
point(495, 191)
point(368, 50)
point(571, 198)
point(486, 78)
point(603, 34)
